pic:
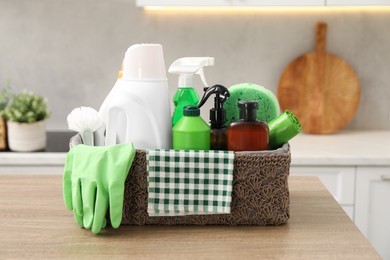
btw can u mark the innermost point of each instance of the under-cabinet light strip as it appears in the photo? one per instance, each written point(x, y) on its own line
point(262, 3)
point(265, 9)
point(227, 3)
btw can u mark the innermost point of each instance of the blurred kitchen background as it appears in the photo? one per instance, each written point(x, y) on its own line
point(71, 50)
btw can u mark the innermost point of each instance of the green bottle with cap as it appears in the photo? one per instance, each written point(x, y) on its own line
point(191, 132)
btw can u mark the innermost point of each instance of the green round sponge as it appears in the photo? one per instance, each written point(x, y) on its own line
point(268, 103)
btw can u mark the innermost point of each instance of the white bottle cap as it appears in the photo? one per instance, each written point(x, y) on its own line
point(185, 81)
point(144, 62)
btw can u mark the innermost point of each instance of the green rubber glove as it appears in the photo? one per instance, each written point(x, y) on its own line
point(94, 180)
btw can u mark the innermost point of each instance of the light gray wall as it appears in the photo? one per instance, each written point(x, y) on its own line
point(70, 50)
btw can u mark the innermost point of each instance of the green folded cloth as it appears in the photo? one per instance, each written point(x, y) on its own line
point(282, 129)
point(189, 182)
point(94, 179)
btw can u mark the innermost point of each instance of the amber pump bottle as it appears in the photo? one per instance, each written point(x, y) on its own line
point(248, 133)
point(218, 129)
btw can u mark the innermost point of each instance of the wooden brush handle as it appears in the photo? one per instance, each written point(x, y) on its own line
point(321, 37)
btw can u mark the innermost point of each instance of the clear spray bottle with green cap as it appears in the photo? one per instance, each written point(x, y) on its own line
point(186, 94)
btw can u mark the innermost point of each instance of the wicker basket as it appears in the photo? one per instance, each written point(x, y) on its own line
point(260, 192)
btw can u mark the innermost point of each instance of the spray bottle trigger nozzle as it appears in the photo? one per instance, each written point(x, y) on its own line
point(200, 72)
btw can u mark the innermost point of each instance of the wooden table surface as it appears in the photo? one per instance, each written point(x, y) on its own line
point(36, 225)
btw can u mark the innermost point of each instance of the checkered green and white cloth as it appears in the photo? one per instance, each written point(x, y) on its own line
point(189, 182)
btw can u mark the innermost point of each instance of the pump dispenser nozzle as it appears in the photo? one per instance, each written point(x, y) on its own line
point(218, 137)
point(218, 113)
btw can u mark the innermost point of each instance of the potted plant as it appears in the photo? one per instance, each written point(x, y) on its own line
point(25, 116)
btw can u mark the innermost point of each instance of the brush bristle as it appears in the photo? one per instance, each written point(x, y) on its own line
point(84, 118)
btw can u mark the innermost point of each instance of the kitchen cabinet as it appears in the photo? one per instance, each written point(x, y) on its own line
point(340, 182)
point(355, 168)
point(357, 2)
point(48, 163)
point(364, 194)
point(249, 3)
point(230, 3)
point(372, 206)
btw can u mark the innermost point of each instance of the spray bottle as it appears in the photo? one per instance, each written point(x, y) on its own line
point(137, 108)
point(218, 132)
point(186, 95)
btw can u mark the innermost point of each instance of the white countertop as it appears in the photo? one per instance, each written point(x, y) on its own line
point(348, 147)
point(32, 159)
point(37, 163)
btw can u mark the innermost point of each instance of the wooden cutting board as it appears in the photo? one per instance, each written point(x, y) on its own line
point(321, 89)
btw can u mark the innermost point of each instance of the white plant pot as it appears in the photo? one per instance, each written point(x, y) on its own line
point(24, 137)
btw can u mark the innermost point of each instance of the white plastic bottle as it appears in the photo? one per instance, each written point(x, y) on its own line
point(138, 108)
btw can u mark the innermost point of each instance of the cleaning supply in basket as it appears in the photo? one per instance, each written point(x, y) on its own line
point(94, 181)
point(191, 132)
point(248, 133)
point(282, 129)
point(86, 121)
point(218, 135)
point(268, 103)
point(186, 94)
point(259, 196)
point(189, 182)
point(137, 108)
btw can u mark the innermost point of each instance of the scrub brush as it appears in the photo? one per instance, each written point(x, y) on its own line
point(84, 120)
